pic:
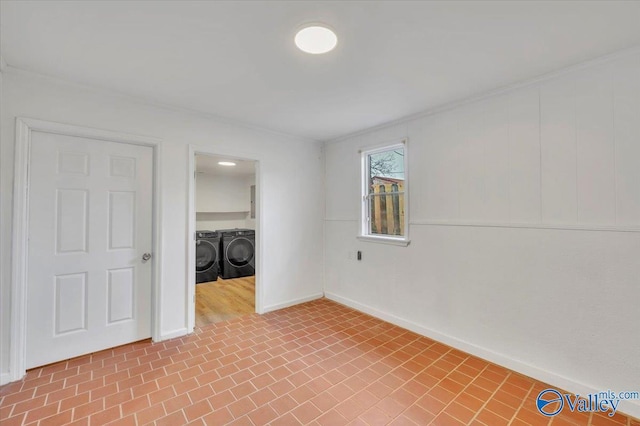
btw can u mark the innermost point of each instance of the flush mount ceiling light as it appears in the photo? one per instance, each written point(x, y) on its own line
point(316, 39)
point(226, 163)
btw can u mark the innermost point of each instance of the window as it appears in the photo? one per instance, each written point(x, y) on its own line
point(384, 197)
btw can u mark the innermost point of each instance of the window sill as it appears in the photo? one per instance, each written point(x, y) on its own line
point(384, 240)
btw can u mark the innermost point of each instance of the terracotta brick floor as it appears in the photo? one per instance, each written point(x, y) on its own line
point(318, 363)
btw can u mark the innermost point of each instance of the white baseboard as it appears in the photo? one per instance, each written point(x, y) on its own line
point(5, 378)
point(556, 380)
point(174, 333)
point(292, 302)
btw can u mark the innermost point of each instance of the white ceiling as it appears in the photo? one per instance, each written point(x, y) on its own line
point(237, 59)
point(209, 164)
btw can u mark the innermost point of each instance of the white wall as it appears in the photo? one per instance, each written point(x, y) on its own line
point(293, 253)
point(223, 202)
point(222, 194)
point(524, 227)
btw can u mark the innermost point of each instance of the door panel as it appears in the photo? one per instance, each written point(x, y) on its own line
point(71, 303)
point(122, 218)
point(72, 220)
point(121, 294)
point(90, 221)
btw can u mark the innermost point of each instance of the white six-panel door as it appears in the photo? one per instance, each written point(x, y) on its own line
point(90, 222)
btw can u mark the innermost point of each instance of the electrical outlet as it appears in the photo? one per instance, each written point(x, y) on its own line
point(359, 255)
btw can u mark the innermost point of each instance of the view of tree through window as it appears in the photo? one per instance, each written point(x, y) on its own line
point(385, 198)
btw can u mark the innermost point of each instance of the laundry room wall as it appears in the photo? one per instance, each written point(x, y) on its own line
point(524, 227)
point(290, 210)
point(223, 202)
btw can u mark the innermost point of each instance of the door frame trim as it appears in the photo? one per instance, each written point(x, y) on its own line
point(20, 244)
point(191, 225)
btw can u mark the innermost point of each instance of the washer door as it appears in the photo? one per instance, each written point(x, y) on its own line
point(239, 252)
point(206, 255)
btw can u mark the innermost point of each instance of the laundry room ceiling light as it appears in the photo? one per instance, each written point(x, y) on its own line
point(316, 39)
point(226, 163)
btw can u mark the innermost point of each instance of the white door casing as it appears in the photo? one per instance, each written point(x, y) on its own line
point(191, 225)
point(69, 287)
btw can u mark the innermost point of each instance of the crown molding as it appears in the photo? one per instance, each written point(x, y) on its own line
point(492, 93)
point(4, 67)
point(157, 104)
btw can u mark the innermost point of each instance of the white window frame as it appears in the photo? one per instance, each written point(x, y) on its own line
point(364, 232)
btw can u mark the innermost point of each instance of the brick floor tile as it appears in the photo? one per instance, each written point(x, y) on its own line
point(317, 363)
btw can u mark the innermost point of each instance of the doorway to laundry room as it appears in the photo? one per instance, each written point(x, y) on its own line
point(225, 238)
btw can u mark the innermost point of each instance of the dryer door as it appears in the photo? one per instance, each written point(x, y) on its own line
point(239, 252)
point(206, 255)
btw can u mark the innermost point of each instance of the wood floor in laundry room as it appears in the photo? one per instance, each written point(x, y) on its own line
point(223, 300)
